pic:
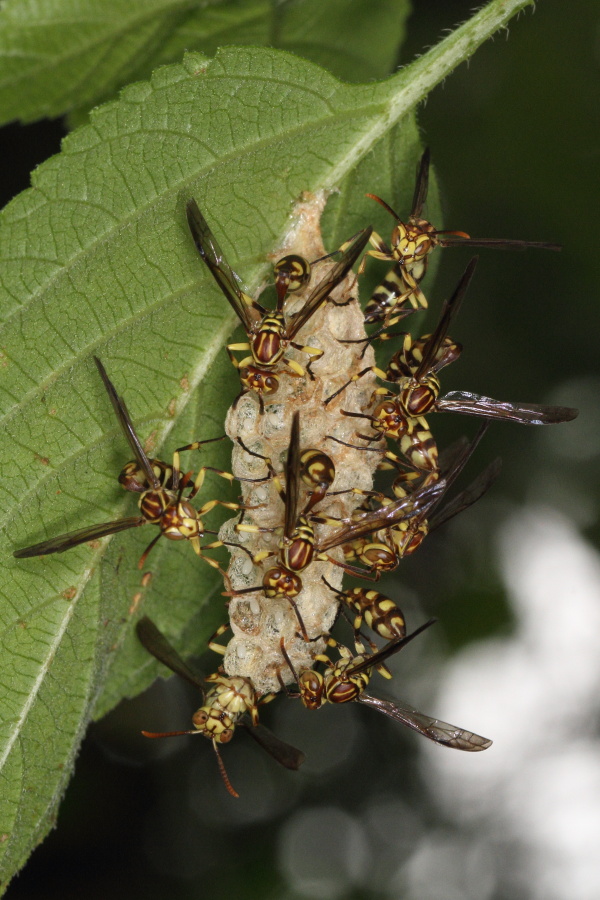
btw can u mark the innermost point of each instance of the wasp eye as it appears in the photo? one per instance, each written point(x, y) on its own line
point(200, 718)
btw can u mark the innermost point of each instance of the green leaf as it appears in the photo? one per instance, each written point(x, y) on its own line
point(60, 57)
point(96, 258)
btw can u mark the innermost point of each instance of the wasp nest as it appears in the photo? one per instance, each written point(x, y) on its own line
point(258, 622)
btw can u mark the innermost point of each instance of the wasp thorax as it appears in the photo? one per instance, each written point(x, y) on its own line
point(268, 346)
point(379, 557)
point(417, 399)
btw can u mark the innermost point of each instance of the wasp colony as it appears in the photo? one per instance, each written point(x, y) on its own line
point(314, 420)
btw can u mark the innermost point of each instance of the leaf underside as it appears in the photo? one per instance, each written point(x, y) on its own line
point(96, 259)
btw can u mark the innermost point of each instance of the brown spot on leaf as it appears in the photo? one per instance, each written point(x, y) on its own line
point(184, 383)
point(135, 602)
point(69, 593)
point(150, 442)
point(172, 407)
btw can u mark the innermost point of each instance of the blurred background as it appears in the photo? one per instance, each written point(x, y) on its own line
point(515, 582)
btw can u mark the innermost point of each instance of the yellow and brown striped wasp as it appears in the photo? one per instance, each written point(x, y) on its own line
point(230, 703)
point(346, 681)
point(383, 550)
point(409, 248)
point(400, 415)
point(161, 499)
point(296, 547)
point(269, 332)
point(414, 368)
point(379, 553)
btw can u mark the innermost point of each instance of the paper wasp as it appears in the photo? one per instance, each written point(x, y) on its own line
point(269, 332)
point(346, 681)
point(400, 415)
point(379, 554)
point(415, 367)
point(227, 704)
point(409, 249)
point(296, 547)
point(378, 611)
point(161, 499)
point(383, 551)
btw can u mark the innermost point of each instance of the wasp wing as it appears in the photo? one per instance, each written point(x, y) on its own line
point(525, 413)
point(417, 504)
point(283, 753)
point(421, 185)
point(449, 311)
point(469, 496)
point(127, 427)
point(498, 243)
point(154, 641)
point(331, 280)
point(292, 470)
point(81, 536)
point(390, 648)
point(221, 271)
point(441, 732)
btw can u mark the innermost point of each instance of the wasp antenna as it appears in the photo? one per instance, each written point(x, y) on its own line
point(161, 734)
point(385, 206)
point(223, 772)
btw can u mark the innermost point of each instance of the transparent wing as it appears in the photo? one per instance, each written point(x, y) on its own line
point(390, 648)
point(498, 243)
point(441, 732)
point(469, 496)
point(81, 536)
point(416, 504)
point(283, 753)
point(211, 253)
point(331, 280)
point(421, 185)
point(154, 641)
point(292, 471)
point(449, 311)
point(127, 426)
point(525, 413)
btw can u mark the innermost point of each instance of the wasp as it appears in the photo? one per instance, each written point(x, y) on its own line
point(383, 551)
point(400, 414)
point(379, 554)
point(415, 367)
point(409, 249)
point(379, 612)
point(347, 680)
point(161, 499)
point(269, 332)
point(296, 547)
point(227, 704)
